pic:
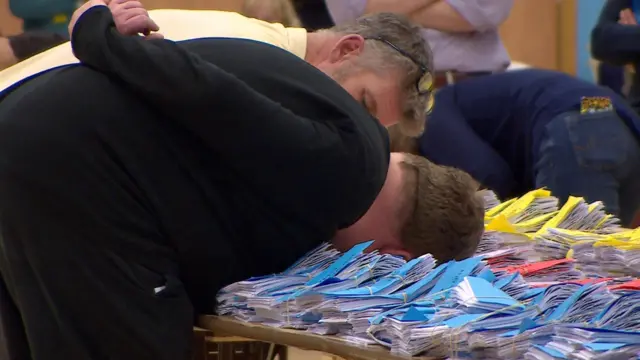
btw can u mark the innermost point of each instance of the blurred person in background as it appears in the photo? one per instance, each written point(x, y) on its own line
point(274, 11)
point(526, 129)
point(615, 40)
point(313, 14)
point(611, 76)
point(44, 15)
point(16, 48)
point(462, 33)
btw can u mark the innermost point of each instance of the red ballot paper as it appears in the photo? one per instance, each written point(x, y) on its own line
point(631, 285)
point(588, 281)
point(534, 267)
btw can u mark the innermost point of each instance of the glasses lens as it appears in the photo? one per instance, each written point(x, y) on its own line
point(425, 84)
point(430, 102)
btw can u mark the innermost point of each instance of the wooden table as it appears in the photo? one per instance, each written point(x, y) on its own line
point(226, 327)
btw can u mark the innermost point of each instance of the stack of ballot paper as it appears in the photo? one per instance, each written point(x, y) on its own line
point(490, 199)
point(622, 313)
point(554, 243)
point(511, 344)
point(545, 283)
point(576, 214)
point(614, 255)
point(503, 249)
point(527, 213)
point(575, 342)
point(546, 271)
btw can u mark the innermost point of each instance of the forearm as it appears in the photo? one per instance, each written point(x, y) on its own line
point(147, 67)
point(31, 43)
point(405, 7)
point(7, 57)
point(615, 43)
point(441, 16)
point(186, 89)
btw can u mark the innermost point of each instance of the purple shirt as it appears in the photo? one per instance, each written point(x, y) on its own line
point(466, 52)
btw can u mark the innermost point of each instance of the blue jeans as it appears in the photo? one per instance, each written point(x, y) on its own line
point(594, 156)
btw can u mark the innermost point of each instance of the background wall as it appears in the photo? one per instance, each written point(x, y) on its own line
point(542, 33)
point(587, 15)
point(525, 36)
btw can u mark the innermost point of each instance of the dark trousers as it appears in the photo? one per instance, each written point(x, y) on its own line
point(594, 156)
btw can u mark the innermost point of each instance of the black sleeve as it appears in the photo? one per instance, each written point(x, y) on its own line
point(450, 141)
point(190, 90)
point(612, 42)
point(30, 43)
point(296, 161)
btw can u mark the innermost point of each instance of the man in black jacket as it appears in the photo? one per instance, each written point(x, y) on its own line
point(616, 40)
point(165, 177)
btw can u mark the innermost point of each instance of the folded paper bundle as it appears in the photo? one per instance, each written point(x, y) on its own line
point(546, 283)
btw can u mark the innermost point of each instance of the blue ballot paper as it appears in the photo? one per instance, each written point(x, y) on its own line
point(586, 334)
point(427, 307)
point(455, 272)
point(480, 295)
point(403, 276)
point(314, 259)
point(505, 281)
point(604, 346)
point(555, 354)
point(488, 275)
point(416, 314)
point(593, 296)
point(459, 309)
point(461, 320)
point(331, 271)
point(399, 298)
point(365, 269)
point(621, 314)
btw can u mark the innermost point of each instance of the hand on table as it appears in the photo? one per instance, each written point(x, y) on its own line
point(130, 17)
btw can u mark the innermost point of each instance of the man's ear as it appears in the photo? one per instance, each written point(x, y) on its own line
point(348, 46)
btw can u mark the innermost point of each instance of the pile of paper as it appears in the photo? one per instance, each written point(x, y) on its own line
point(490, 199)
point(555, 243)
point(546, 283)
point(613, 255)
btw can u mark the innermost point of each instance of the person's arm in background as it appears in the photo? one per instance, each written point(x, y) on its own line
point(14, 49)
point(463, 15)
point(450, 141)
point(275, 11)
point(32, 43)
point(7, 57)
point(612, 42)
point(441, 15)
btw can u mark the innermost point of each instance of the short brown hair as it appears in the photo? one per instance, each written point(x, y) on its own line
point(443, 211)
point(397, 30)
